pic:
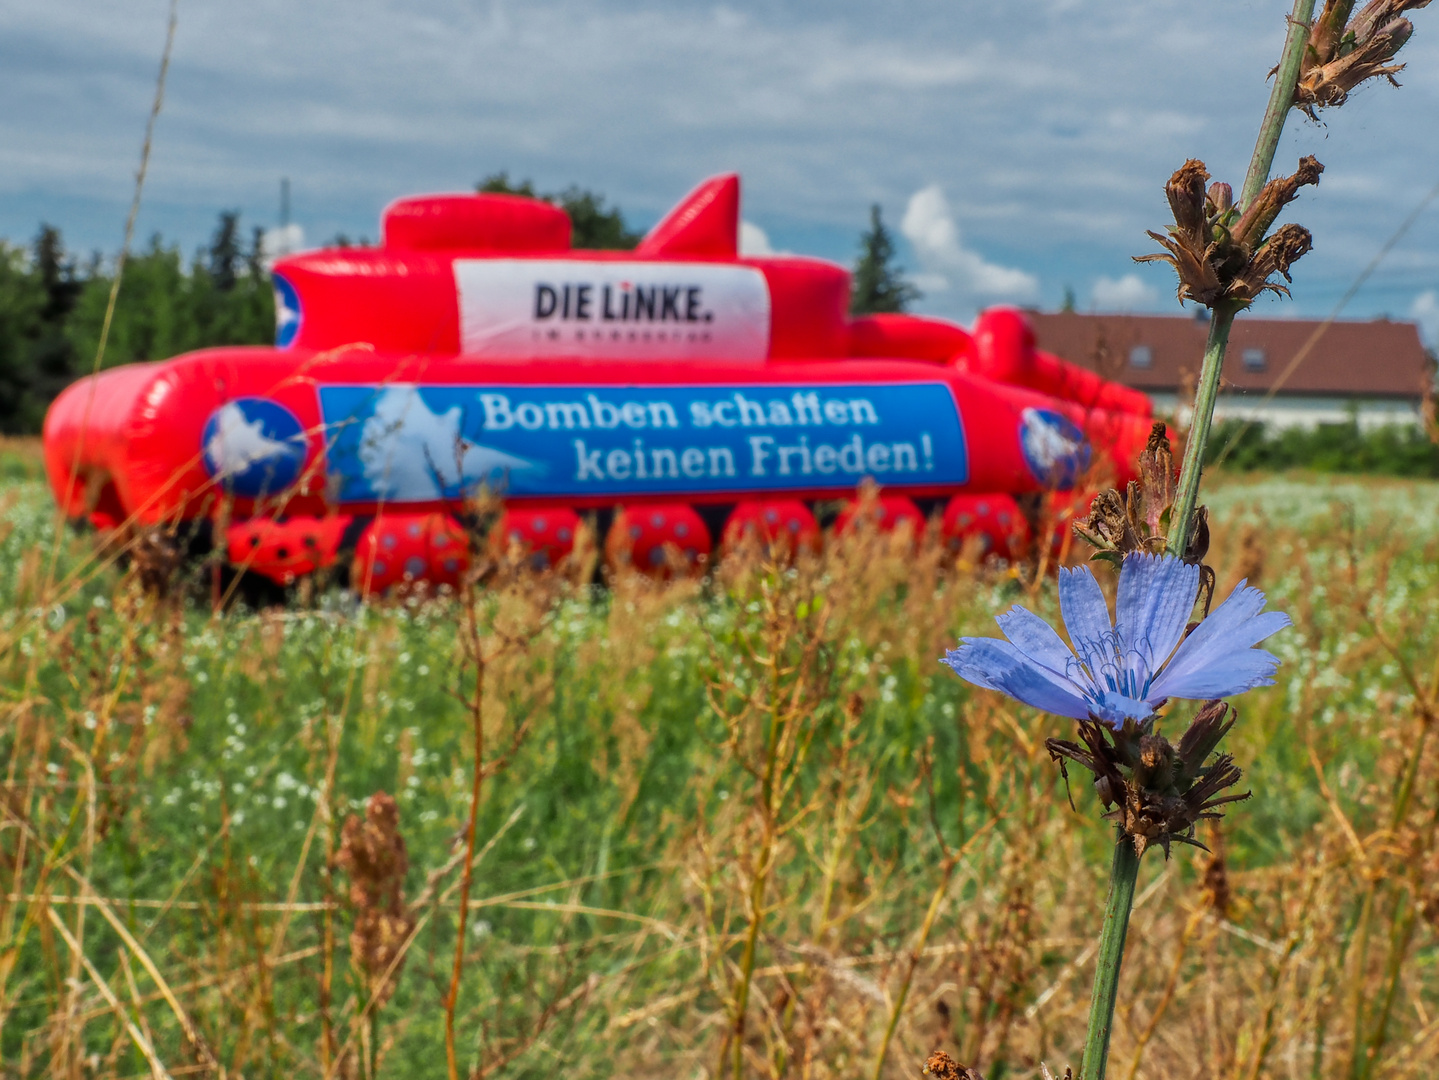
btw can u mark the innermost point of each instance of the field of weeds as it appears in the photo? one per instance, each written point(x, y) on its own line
point(747, 824)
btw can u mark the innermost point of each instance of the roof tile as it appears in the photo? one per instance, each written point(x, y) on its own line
point(1375, 358)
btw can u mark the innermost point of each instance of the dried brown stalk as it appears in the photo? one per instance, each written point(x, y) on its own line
point(372, 853)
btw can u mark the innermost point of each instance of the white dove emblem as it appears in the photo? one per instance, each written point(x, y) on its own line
point(411, 454)
point(1047, 445)
point(239, 442)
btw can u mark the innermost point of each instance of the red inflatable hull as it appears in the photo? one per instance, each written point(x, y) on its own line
point(139, 433)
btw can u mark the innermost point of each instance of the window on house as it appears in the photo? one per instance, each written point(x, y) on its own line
point(1254, 360)
point(1141, 357)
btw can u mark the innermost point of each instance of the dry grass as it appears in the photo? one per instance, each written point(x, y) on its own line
point(743, 822)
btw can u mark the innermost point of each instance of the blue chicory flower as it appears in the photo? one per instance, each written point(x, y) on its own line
point(1132, 667)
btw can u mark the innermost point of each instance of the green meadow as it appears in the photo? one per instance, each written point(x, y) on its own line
point(746, 819)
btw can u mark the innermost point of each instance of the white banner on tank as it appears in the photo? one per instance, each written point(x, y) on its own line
point(528, 308)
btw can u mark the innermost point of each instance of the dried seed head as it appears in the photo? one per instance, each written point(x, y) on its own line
point(156, 558)
point(943, 1067)
point(1137, 519)
point(1287, 246)
point(1273, 197)
point(372, 852)
point(1187, 197)
point(1340, 56)
point(1202, 737)
point(1215, 886)
point(1198, 279)
point(1110, 525)
point(1156, 763)
point(1158, 477)
point(1198, 546)
point(1159, 792)
point(1220, 259)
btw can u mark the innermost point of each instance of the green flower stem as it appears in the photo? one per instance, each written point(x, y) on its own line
point(1187, 497)
point(1281, 99)
point(1122, 875)
point(1125, 870)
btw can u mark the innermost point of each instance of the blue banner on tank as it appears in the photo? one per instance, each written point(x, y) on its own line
point(408, 443)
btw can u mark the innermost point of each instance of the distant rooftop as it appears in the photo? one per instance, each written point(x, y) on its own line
point(1162, 353)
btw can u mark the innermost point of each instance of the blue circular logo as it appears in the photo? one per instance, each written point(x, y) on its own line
point(1055, 450)
point(287, 312)
point(254, 446)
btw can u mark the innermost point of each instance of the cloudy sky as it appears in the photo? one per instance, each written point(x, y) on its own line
point(1019, 148)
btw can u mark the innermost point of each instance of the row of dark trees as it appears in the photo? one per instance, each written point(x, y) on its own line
point(52, 309)
point(52, 306)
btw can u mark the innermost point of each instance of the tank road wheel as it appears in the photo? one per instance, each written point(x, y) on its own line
point(782, 526)
point(284, 551)
point(546, 536)
point(992, 520)
point(659, 539)
point(400, 550)
point(885, 513)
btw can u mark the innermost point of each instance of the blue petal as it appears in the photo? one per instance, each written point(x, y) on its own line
point(1234, 673)
point(1156, 598)
point(1086, 615)
point(1114, 708)
point(998, 665)
point(1037, 640)
point(1219, 644)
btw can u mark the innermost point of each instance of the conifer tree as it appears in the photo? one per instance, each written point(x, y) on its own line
point(21, 301)
point(591, 225)
point(51, 361)
point(879, 284)
point(224, 251)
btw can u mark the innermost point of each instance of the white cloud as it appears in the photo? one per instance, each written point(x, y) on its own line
point(753, 240)
point(1053, 123)
point(1425, 311)
point(929, 284)
point(280, 241)
point(929, 225)
point(1128, 293)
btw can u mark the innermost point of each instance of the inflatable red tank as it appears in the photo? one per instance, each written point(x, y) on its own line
point(475, 346)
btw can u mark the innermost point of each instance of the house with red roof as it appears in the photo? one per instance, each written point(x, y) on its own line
point(1281, 372)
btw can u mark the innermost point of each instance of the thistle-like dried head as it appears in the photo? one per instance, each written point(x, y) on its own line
point(156, 558)
point(1273, 197)
point(372, 852)
point(943, 1067)
point(1187, 199)
point(1220, 254)
point(1287, 246)
point(1158, 791)
point(1113, 526)
point(1343, 53)
point(1158, 476)
point(1137, 518)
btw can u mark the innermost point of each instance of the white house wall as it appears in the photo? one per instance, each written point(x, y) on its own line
point(1286, 411)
